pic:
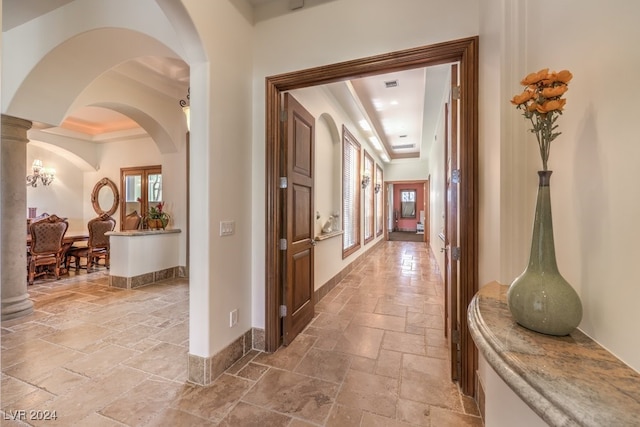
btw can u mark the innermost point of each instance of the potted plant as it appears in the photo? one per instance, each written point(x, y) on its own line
point(156, 218)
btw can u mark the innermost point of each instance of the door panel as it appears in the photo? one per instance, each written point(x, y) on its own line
point(301, 223)
point(298, 284)
point(301, 272)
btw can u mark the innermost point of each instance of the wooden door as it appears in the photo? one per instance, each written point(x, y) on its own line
point(299, 218)
point(452, 250)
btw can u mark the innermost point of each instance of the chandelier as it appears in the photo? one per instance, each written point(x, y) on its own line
point(44, 175)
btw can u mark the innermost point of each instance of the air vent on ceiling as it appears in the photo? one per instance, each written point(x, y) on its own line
point(391, 83)
point(403, 146)
point(402, 136)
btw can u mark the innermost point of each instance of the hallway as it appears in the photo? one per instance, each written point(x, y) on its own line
point(374, 355)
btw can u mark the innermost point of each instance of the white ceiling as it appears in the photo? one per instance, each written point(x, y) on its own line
point(401, 117)
point(17, 12)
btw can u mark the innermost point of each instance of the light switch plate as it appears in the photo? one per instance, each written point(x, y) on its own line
point(227, 228)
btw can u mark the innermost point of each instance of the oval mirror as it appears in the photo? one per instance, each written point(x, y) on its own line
point(105, 197)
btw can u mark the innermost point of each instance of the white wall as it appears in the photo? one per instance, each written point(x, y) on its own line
point(407, 170)
point(594, 160)
point(220, 159)
point(594, 212)
point(64, 196)
point(300, 40)
point(437, 194)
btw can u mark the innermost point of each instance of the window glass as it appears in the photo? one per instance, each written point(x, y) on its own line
point(350, 193)
point(408, 203)
point(379, 190)
point(368, 184)
point(135, 184)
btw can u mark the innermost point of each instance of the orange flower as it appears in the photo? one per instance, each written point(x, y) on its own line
point(552, 92)
point(564, 76)
point(541, 103)
point(534, 78)
point(522, 98)
point(552, 105)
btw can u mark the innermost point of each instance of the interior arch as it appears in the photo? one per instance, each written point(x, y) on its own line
point(101, 49)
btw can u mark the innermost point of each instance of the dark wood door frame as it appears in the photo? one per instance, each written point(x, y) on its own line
point(465, 51)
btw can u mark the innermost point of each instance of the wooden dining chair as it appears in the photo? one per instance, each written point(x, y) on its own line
point(46, 246)
point(132, 221)
point(98, 244)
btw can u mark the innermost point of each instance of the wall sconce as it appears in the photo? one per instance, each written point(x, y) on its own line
point(366, 179)
point(377, 188)
point(45, 175)
point(186, 108)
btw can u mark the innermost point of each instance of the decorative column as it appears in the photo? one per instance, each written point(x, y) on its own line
point(13, 206)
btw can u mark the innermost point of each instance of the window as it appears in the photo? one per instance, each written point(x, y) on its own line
point(407, 203)
point(368, 185)
point(379, 200)
point(350, 193)
point(141, 187)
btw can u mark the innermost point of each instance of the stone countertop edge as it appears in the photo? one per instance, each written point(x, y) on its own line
point(142, 232)
point(567, 381)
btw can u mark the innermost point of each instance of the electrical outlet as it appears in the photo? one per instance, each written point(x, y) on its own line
point(233, 318)
point(227, 228)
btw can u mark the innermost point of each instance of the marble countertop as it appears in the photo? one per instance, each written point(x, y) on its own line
point(142, 232)
point(567, 381)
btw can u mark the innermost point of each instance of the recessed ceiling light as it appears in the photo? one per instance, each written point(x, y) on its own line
point(364, 125)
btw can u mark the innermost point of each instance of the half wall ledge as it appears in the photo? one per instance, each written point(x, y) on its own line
point(141, 257)
point(567, 381)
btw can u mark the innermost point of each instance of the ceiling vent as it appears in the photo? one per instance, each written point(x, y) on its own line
point(403, 146)
point(391, 83)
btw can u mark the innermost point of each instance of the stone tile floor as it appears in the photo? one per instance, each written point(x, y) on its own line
point(374, 355)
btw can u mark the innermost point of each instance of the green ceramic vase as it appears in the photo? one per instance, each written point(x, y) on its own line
point(540, 299)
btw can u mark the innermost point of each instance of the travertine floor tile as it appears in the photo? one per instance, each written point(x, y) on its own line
point(405, 343)
point(343, 416)
point(176, 418)
point(293, 394)
point(374, 355)
point(252, 416)
point(288, 357)
point(325, 365)
point(369, 392)
point(212, 402)
point(164, 360)
point(360, 341)
point(142, 403)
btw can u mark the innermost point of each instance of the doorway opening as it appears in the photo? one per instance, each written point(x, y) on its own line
point(464, 51)
point(408, 211)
